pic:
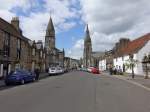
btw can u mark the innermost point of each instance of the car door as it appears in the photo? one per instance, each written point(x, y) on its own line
point(29, 76)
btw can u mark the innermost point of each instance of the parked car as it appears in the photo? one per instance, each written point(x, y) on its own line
point(95, 70)
point(52, 71)
point(90, 69)
point(19, 77)
point(84, 69)
point(60, 70)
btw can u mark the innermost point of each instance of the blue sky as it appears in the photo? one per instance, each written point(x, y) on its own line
point(108, 21)
point(65, 38)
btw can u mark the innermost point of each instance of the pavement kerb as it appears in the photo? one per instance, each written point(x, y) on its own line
point(129, 81)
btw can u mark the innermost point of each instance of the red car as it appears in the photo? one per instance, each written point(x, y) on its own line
point(95, 71)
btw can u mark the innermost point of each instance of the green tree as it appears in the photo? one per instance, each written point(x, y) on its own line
point(130, 64)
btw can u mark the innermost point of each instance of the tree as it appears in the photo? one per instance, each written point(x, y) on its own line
point(130, 64)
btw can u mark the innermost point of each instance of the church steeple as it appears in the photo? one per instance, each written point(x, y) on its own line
point(87, 54)
point(50, 35)
point(50, 31)
point(87, 30)
point(87, 36)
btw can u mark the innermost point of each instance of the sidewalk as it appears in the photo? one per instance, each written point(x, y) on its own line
point(137, 79)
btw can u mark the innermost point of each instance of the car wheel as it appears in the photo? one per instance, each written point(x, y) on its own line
point(33, 79)
point(7, 84)
point(22, 82)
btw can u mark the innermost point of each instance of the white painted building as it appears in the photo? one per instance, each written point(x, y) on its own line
point(102, 65)
point(138, 48)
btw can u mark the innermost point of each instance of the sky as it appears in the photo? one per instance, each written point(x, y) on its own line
point(108, 20)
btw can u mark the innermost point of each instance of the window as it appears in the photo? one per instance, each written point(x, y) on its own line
point(33, 51)
point(44, 55)
point(18, 49)
point(6, 46)
point(41, 54)
point(18, 44)
point(122, 58)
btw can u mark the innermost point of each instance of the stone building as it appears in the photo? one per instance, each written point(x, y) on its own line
point(13, 47)
point(70, 63)
point(16, 51)
point(55, 57)
point(90, 58)
point(87, 53)
point(37, 54)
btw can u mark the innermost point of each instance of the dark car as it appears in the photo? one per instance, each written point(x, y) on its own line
point(19, 77)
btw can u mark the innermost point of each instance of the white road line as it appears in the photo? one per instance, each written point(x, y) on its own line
point(132, 82)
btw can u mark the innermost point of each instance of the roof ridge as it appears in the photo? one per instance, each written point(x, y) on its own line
point(134, 45)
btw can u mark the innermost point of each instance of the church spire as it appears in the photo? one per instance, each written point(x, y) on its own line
point(87, 54)
point(87, 38)
point(50, 35)
point(50, 31)
point(87, 29)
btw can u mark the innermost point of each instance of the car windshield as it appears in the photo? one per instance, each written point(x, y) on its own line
point(19, 72)
point(53, 68)
point(58, 68)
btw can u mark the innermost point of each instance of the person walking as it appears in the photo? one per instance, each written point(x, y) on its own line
point(111, 70)
point(37, 73)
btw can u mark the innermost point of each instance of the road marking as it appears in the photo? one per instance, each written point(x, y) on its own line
point(132, 82)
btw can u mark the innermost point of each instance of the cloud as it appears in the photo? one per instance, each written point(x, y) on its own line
point(110, 20)
point(77, 50)
point(33, 23)
point(6, 15)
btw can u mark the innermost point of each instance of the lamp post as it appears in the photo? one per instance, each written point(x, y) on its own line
point(145, 62)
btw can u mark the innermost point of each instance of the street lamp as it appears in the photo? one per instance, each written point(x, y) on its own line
point(145, 63)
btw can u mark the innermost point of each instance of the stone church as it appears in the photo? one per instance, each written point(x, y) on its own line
point(90, 58)
point(54, 57)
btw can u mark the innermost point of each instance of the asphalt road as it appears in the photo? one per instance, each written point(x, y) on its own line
point(76, 92)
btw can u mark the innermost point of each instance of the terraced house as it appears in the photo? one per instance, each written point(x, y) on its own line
point(16, 51)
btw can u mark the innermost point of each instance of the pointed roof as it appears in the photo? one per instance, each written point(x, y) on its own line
point(87, 38)
point(50, 26)
point(87, 29)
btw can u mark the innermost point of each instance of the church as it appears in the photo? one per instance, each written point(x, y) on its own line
point(90, 58)
point(54, 56)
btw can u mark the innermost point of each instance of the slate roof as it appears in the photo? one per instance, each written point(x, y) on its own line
point(135, 45)
point(98, 54)
point(9, 28)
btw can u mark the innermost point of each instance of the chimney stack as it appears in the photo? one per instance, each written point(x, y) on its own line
point(15, 23)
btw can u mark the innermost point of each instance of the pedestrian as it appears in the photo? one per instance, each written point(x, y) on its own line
point(120, 70)
point(37, 73)
point(115, 71)
point(111, 70)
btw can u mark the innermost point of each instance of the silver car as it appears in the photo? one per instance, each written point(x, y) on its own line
point(53, 71)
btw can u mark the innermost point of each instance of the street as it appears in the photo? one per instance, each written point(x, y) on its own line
point(76, 92)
